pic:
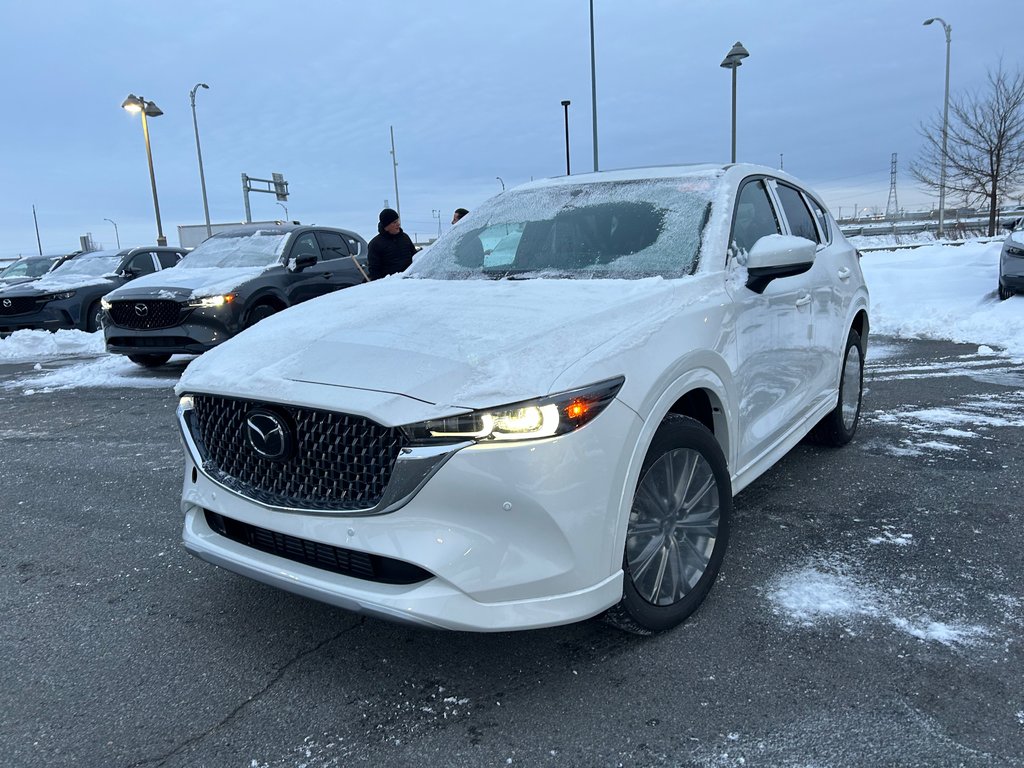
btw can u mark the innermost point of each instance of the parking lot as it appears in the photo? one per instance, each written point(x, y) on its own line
point(869, 612)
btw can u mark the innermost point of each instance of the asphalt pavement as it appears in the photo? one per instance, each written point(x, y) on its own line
point(869, 612)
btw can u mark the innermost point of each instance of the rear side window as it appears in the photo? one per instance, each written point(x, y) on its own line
point(333, 245)
point(801, 223)
point(754, 217)
point(168, 258)
point(822, 217)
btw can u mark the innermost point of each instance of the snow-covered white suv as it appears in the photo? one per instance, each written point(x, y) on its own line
point(546, 417)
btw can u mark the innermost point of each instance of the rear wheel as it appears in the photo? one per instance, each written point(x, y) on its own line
point(149, 361)
point(678, 528)
point(839, 426)
point(1004, 292)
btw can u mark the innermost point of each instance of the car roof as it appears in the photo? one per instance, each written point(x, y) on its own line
point(660, 172)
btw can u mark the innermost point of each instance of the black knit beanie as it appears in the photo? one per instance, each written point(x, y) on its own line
point(387, 216)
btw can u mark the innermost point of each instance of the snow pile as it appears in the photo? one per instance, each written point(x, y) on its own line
point(105, 371)
point(38, 346)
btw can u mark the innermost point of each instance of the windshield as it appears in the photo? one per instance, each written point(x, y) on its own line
point(90, 264)
point(27, 268)
point(262, 248)
point(612, 229)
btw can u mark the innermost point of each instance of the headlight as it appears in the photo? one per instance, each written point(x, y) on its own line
point(1014, 251)
point(545, 417)
point(212, 301)
point(105, 305)
point(57, 296)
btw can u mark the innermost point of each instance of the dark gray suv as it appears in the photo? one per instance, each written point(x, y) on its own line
point(229, 282)
point(69, 296)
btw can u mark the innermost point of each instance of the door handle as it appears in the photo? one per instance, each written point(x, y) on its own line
point(326, 275)
point(804, 300)
point(844, 273)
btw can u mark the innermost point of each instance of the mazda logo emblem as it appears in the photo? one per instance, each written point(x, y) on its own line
point(268, 434)
point(141, 310)
point(7, 302)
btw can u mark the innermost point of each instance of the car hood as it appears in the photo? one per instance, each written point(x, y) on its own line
point(9, 281)
point(182, 283)
point(58, 283)
point(448, 344)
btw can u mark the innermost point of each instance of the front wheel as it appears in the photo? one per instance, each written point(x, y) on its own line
point(259, 312)
point(149, 361)
point(94, 318)
point(838, 428)
point(678, 528)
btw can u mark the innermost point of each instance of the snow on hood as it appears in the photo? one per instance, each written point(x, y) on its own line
point(56, 282)
point(184, 283)
point(472, 344)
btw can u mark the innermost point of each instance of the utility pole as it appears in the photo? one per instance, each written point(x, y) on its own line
point(394, 163)
point(36, 220)
point(892, 204)
point(593, 80)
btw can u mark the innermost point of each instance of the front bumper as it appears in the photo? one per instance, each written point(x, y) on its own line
point(49, 318)
point(201, 331)
point(514, 536)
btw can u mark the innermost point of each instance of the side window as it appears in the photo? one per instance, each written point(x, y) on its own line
point(801, 223)
point(754, 217)
point(305, 244)
point(332, 245)
point(822, 217)
point(168, 258)
point(142, 264)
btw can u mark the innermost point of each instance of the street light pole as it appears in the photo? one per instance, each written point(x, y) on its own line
point(199, 153)
point(116, 236)
point(565, 103)
point(502, 183)
point(148, 109)
point(593, 80)
point(945, 126)
point(732, 61)
point(394, 168)
point(285, 212)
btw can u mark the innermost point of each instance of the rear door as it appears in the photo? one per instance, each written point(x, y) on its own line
point(342, 253)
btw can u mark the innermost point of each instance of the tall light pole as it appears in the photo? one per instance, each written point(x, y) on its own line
point(945, 126)
point(593, 80)
point(732, 61)
point(285, 212)
point(394, 167)
point(116, 236)
point(148, 109)
point(565, 104)
point(199, 154)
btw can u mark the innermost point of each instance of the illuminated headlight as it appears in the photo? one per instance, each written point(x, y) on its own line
point(212, 301)
point(186, 402)
point(545, 417)
point(105, 305)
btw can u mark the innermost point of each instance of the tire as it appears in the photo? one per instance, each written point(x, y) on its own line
point(1004, 292)
point(259, 312)
point(93, 318)
point(839, 427)
point(678, 528)
point(149, 361)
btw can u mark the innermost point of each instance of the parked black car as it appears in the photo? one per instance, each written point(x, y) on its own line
point(69, 296)
point(29, 268)
point(229, 282)
point(1011, 265)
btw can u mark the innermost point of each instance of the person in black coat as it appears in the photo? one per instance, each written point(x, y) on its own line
point(391, 250)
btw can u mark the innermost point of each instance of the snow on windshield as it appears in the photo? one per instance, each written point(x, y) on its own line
point(622, 230)
point(257, 249)
point(90, 264)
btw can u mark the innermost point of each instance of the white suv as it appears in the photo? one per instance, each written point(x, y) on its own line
point(546, 417)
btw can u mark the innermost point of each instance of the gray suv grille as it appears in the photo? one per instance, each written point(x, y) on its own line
point(147, 313)
point(336, 461)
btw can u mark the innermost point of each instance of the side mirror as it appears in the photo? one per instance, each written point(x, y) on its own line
point(775, 256)
point(299, 263)
point(129, 274)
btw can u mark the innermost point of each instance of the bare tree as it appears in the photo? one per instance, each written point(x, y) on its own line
point(985, 145)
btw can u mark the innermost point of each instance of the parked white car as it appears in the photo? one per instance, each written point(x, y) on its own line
point(546, 417)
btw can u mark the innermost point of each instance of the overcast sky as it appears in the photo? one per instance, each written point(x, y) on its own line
point(473, 91)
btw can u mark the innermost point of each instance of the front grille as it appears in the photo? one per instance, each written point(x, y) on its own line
point(347, 562)
point(338, 461)
point(149, 313)
point(150, 341)
point(19, 305)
